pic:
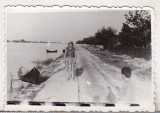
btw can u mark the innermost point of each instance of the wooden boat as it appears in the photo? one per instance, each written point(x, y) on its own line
point(49, 51)
point(32, 76)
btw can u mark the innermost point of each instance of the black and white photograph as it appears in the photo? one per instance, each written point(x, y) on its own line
point(83, 56)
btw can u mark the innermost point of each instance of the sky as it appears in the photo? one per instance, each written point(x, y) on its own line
point(60, 25)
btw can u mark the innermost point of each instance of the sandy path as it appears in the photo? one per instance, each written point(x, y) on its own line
point(58, 89)
point(96, 78)
point(92, 85)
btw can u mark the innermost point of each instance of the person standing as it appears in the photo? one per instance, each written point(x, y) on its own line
point(70, 60)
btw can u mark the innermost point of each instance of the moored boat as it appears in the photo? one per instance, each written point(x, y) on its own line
point(33, 76)
point(49, 51)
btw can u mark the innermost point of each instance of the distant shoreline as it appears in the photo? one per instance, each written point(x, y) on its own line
point(35, 42)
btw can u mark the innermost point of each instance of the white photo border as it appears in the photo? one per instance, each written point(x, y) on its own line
point(77, 108)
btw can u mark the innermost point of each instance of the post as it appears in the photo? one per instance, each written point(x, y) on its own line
point(11, 79)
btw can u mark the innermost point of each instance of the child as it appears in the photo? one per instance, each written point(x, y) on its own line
point(127, 90)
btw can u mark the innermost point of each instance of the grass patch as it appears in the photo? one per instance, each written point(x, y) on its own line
point(47, 62)
point(44, 62)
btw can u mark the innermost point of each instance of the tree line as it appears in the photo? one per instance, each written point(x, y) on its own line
point(135, 33)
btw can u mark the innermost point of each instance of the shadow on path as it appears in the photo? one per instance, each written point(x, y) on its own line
point(79, 71)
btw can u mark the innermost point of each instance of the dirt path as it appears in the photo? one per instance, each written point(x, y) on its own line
point(96, 78)
point(58, 89)
point(96, 82)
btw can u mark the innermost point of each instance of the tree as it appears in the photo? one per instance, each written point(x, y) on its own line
point(97, 36)
point(126, 35)
point(107, 36)
point(22, 40)
point(137, 29)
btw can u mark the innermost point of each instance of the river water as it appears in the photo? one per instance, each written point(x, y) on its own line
point(22, 54)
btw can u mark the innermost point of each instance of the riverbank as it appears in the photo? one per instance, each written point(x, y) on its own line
point(140, 66)
point(98, 72)
point(27, 91)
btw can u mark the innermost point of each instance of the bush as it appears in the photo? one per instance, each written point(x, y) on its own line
point(47, 61)
point(44, 62)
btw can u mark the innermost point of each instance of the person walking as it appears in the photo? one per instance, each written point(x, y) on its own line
point(70, 60)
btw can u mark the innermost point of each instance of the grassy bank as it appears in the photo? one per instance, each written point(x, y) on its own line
point(23, 90)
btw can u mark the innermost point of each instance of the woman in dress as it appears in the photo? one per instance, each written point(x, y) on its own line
point(70, 60)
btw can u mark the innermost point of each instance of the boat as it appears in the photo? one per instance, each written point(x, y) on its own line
point(49, 51)
point(33, 76)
